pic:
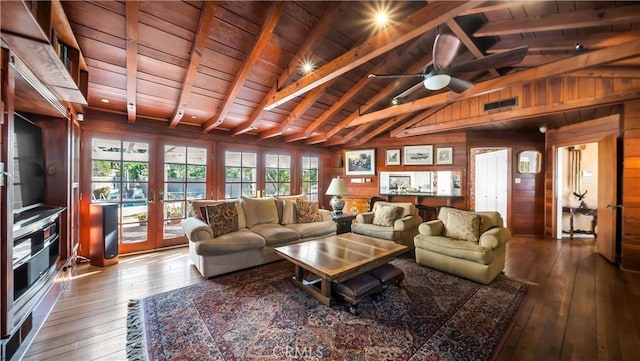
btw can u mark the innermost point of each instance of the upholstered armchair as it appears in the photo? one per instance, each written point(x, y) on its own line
point(468, 244)
point(396, 222)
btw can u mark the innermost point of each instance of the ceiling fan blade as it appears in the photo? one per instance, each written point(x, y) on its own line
point(410, 90)
point(493, 61)
point(445, 48)
point(387, 76)
point(458, 85)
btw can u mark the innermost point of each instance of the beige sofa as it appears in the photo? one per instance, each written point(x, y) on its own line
point(262, 225)
point(468, 244)
point(382, 223)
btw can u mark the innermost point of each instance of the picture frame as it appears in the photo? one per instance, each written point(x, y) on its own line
point(360, 162)
point(444, 155)
point(392, 157)
point(418, 155)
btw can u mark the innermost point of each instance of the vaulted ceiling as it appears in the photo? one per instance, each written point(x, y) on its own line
point(236, 67)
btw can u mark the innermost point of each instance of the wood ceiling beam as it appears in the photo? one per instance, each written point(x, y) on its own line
point(379, 130)
point(427, 18)
point(576, 19)
point(520, 114)
point(578, 62)
point(131, 28)
point(417, 119)
point(205, 24)
point(381, 95)
point(566, 42)
point(468, 42)
point(320, 30)
point(272, 18)
point(497, 6)
point(607, 72)
point(390, 60)
point(297, 112)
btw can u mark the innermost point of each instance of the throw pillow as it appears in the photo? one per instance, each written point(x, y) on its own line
point(386, 215)
point(307, 212)
point(463, 225)
point(288, 211)
point(259, 211)
point(223, 218)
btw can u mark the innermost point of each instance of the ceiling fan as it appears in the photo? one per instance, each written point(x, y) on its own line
point(439, 73)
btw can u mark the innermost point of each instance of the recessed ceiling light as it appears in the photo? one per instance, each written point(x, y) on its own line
point(105, 100)
point(307, 66)
point(382, 17)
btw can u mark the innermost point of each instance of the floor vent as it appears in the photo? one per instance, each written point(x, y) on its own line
point(500, 105)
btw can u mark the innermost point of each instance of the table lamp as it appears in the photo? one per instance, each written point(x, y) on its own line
point(337, 188)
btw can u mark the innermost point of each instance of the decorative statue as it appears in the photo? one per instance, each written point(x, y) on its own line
point(581, 198)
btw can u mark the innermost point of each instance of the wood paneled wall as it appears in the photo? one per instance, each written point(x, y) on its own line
point(631, 187)
point(545, 96)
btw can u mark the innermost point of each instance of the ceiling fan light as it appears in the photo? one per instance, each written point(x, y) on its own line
point(437, 81)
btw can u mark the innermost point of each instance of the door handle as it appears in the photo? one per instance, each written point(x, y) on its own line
point(152, 197)
point(612, 206)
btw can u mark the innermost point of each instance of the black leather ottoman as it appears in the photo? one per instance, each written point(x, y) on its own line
point(357, 288)
point(388, 274)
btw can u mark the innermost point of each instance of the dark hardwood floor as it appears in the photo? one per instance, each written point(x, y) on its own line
point(578, 307)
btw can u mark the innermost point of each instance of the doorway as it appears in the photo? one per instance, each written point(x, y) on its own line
point(491, 179)
point(151, 181)
point(577, 180)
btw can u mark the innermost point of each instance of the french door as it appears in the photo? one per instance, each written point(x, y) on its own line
point(151, 181)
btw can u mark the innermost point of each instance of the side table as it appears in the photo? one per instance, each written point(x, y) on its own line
point(344, 222)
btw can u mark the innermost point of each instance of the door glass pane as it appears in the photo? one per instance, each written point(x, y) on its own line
point(120, 174)
point(185, 175)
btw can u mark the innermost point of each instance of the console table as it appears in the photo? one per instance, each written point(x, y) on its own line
point(587, 212)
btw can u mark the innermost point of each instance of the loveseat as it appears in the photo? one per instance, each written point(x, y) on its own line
point(393, 221)
point(242, 233)
point(468, 244)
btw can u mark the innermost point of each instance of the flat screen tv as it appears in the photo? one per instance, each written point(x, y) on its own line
point(28, 171)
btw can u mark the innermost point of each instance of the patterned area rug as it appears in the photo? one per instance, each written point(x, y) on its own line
point(258, 314)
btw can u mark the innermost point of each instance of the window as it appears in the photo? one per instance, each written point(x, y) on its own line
point(310, 177)
point(277, 180)
point(185, 175)
point(240, 174)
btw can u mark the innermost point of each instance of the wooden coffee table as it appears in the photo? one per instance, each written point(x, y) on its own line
point(336, 259)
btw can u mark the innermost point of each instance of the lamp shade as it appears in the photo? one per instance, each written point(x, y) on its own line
point(337, 187)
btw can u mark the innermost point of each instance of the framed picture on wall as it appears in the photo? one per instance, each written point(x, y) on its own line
point(393, 157)
point(418, 155)
point(444, 155)
point(360, 162)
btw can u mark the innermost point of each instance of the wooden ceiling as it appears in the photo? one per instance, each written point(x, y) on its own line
point(235, 66)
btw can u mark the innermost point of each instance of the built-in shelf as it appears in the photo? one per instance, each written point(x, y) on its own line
point(37, 39)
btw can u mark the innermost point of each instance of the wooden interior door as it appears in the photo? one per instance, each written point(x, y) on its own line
point(607, 202)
